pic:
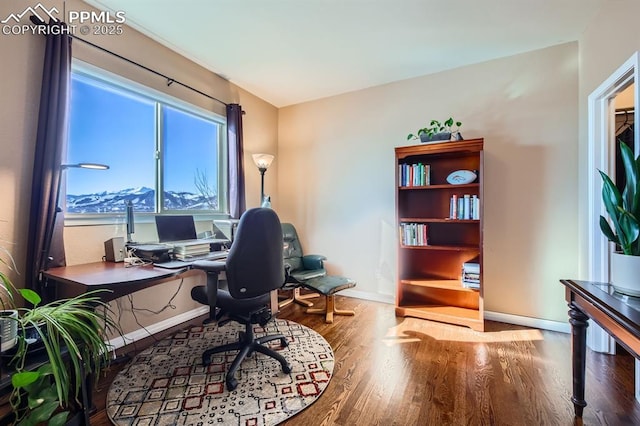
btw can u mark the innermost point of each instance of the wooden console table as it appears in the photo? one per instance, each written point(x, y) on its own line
point(619, 315)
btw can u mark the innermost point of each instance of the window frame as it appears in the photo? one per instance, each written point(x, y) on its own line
point(136, 89)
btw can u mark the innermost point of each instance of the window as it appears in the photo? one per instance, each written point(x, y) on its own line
point(164, 155)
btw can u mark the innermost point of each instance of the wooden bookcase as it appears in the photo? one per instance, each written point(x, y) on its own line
point(429, 274)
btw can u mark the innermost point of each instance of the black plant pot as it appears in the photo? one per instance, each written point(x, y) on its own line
point(437, 137)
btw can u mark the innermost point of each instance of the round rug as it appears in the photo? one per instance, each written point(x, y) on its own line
point(166, 384)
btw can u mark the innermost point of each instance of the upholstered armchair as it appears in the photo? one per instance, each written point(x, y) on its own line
point(299, 267)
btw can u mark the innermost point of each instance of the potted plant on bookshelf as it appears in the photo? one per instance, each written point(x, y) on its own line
point(438, 131)
point(624, 213)
point(71, 333)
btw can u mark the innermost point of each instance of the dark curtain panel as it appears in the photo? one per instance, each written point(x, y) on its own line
point(237, 204)
point(45, 227)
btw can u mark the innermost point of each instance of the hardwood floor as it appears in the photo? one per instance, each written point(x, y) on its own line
point(405, 371)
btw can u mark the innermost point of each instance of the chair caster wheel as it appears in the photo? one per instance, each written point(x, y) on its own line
point(286, 368)
point(206, 360)
point(231, 383)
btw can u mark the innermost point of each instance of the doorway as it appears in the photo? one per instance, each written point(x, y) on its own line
point(612, 114)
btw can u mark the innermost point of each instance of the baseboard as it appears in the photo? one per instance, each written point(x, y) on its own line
point(542, 324)
point(157, 327)
point(562, 327)
point(374, 297)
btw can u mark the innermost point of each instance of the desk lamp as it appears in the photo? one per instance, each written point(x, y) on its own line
point(63, 167)
point(262, 161)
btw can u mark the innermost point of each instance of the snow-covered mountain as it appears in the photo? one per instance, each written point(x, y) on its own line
point(142, 198)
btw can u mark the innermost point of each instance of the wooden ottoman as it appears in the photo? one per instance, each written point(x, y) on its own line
point(328, 286)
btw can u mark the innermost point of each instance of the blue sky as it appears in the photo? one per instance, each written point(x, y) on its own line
point(113, 128)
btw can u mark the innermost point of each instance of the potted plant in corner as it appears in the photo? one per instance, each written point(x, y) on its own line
point(624, 213)
point(438, 131)
point(71, 332)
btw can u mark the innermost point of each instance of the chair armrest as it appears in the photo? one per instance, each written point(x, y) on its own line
point(213, 269)
point(313, 261)
point(209, 265)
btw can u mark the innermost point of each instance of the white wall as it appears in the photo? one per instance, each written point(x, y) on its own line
point(338, 186)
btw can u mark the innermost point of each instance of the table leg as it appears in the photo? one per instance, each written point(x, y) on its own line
point(579, 324)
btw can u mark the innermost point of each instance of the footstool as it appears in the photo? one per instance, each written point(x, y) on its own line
point(328, 286)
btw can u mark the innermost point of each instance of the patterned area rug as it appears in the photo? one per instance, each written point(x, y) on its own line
point(167, 384)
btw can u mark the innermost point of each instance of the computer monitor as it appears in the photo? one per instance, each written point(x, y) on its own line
point(227, 227)
point(175, 228)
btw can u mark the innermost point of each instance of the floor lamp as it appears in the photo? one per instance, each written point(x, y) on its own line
point(262, 161)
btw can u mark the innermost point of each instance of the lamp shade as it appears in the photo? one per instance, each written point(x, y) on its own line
point(263, 161)
point(94, 166)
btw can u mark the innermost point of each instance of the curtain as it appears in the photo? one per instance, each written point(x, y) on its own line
point(236, 194)
point(45, 224)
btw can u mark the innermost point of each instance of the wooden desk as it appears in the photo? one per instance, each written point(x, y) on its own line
point(70, 281)
point(619, 315)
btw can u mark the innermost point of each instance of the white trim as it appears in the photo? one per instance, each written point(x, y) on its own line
point(374, 297)
point(542, 324)
point(157, 327)
point(637, 372)
point(601, 156)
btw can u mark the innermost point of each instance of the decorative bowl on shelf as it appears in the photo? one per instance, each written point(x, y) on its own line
point(460, 177)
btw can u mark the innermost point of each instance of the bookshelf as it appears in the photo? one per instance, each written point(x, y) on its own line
point(435, 239)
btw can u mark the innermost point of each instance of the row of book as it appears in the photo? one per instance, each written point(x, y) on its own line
point(464, 207)
point(417, 174)
point(471, 275)
point(414, 234)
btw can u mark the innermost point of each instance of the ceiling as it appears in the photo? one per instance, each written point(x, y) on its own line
point(291, 51)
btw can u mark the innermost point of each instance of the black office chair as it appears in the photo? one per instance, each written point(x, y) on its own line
point(254, 268)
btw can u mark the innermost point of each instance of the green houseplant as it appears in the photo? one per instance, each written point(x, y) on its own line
point(8, 313)
point(624, 213)
point(72, 334)
point(438, 131)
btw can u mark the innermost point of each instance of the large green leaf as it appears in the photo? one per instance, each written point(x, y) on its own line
point(631, 177)
point(59, 419)
point(623, 209)
point(24, 378)
point(30, 296)
point(40, 414)
point(607, 231)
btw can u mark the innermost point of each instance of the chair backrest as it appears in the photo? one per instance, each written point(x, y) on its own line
point(292, 250)
point(255, 263)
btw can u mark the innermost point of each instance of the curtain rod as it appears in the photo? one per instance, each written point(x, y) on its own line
point(170, 80)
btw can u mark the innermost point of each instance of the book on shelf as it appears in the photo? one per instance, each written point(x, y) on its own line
point(464, 207)
point(471, 285)
point(414, 234)
point(416, 174)
point(471, 275)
